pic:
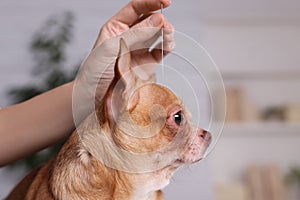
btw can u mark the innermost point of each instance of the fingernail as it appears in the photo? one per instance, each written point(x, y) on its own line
point(155, 20)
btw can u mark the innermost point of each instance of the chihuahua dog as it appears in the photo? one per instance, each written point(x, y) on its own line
point(128, 148)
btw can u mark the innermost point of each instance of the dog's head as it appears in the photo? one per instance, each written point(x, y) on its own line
point(147, 119)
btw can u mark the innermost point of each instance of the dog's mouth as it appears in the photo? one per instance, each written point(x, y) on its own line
point(193, 154)
point(196, 150)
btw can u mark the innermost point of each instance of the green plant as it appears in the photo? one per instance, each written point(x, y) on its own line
point(48, 47)
point(293, 177)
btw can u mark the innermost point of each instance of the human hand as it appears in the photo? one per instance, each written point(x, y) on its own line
point(140, 28)
point(138, 14)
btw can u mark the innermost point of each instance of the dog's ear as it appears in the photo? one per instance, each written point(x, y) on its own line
point(124, 75)
point(127, 80)
point(120, 95)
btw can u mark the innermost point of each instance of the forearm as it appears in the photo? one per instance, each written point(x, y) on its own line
point(35, 124)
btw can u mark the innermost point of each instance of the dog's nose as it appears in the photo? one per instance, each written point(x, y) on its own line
point(204, 134)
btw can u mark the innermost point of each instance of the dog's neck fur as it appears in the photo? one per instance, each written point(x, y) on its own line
point(76, 168)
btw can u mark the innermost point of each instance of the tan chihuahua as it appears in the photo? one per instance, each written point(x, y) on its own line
point(128, 149)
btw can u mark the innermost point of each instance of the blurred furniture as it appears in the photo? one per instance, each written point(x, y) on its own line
point(261, 136)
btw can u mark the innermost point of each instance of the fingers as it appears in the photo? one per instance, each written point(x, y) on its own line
point(145, 33)
point(133, 11)
point(131, 15)
point(140, 34)
point(154, 20)
point(157, 54)
point(168, 44)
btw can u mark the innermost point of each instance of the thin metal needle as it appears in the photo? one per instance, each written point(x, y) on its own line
point(162, 40)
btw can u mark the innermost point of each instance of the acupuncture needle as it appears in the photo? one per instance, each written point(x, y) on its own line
point(162, 41)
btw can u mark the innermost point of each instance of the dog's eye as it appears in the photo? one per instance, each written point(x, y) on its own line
point(178, 118)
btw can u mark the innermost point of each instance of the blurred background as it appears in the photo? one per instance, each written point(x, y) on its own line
point(256, 46)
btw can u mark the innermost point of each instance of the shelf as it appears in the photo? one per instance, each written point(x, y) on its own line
point(262, 75)
point(261, 129)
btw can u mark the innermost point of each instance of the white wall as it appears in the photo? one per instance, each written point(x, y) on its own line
point(264, 46)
